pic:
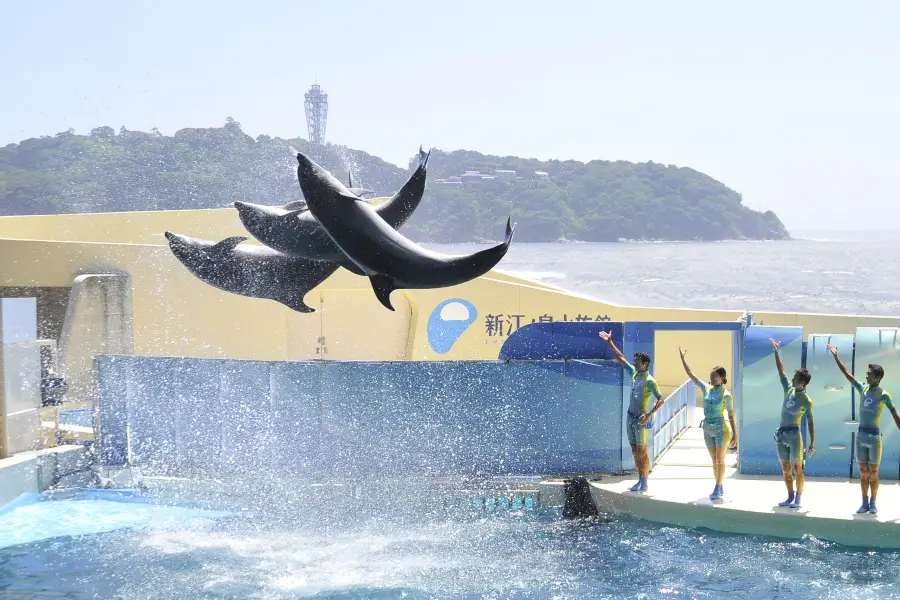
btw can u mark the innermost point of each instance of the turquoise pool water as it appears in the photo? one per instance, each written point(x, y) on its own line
point(102, 545)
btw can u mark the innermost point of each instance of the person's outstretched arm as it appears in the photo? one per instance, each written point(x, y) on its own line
point(781, 374)
point(607, 337)
point(687, 369)
point(844, 369)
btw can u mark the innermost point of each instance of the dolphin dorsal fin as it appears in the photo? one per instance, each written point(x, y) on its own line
point(230, 243)
point(350, 179)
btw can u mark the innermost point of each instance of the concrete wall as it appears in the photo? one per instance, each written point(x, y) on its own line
point(37, 471)
point(20, 376)
point(98, 320)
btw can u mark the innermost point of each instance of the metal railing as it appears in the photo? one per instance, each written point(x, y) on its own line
point(671, 419)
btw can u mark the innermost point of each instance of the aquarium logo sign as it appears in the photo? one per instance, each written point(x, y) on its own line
point(448, 321)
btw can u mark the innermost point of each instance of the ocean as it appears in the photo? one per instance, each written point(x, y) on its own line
point(845, 273)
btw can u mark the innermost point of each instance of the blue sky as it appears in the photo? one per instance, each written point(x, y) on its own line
point(793, 104)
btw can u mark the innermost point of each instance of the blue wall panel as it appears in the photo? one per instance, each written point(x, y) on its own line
point(531, 397)
point(762, 395)
point(244, 410)
point(588, 424)
point(881, 345)
point(477, 395)
point(153, 399)
point(300, 441)
point(197, 424)
point(561, 340)
point(194, 417)
point(112, 376)
point(832, 406)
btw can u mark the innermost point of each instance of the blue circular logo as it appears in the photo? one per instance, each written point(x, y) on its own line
point(448, 321)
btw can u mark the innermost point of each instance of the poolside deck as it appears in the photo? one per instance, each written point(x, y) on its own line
point(681, 482)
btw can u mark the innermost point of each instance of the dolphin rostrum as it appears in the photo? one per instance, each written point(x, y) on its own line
point(253, 271)
point(390, 260)
point(298, 233)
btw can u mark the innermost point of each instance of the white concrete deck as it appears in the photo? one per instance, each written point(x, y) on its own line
point(680, 484)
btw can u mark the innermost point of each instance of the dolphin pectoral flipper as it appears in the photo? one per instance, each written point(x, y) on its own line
point(229, 243)
point(294, 212)
point(383, 286)
point(296, 206)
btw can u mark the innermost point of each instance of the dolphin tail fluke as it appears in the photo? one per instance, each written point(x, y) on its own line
point(510, 229)
point(383, 286)
point(296, 304)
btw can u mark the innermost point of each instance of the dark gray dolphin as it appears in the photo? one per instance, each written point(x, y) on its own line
point(253, 271)
point(300, 205)
point(297, 233)
point(390, 260)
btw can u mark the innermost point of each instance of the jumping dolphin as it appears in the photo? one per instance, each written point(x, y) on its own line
point(390, 260)
point(253, 271)
point(297, 233)
point(300, 205)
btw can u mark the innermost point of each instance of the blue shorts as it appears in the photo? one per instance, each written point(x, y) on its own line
point(868, 448)
point(790, 446)
point(637, 433)
point(716, 433)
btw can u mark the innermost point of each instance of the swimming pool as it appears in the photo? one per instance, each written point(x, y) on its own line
point(107, 545)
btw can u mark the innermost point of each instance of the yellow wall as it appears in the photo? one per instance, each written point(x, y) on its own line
point(176, 314)
point(134, 227)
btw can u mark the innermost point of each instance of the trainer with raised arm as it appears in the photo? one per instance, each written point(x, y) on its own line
point(788, 439)
point(643, 386)
point(872, 400)
point(716, 433)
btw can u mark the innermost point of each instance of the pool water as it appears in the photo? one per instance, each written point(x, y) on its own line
point(92, 546)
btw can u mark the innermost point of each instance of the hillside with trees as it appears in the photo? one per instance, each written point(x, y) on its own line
point(468, 196)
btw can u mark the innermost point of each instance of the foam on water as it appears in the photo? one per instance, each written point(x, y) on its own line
point(538, 275)
point(151, 551)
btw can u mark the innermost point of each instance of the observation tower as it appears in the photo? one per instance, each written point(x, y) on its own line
point(316, 106)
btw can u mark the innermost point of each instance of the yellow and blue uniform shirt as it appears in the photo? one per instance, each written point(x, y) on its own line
point(716, 400)
point(795, 405)
point(643, 388)
point(872, 402)
point(788, 440)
